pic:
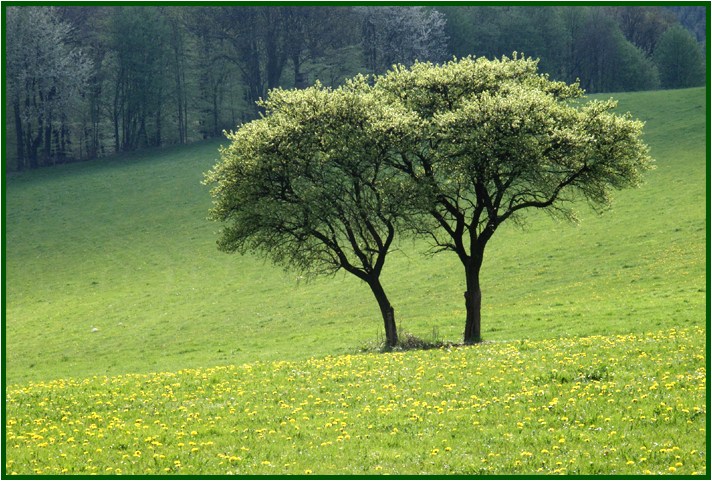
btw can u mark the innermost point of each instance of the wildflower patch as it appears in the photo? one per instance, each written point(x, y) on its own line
point(619, 405)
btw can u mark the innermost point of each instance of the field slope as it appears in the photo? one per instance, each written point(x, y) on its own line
point(112, 267)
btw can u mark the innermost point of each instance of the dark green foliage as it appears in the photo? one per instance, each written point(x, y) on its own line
point(162, 75)
point(679, 59)
point(694, 19)
point(643, 26)
point(607, 62)
point(138, 38)
point(607, 48)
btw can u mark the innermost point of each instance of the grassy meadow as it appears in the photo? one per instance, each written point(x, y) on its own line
point(625, 404)
point(133, 346)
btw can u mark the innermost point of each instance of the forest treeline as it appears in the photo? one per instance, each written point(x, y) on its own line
point(88, 81)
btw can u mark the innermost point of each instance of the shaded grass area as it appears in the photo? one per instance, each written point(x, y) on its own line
point(630, 404)
point(112, 267)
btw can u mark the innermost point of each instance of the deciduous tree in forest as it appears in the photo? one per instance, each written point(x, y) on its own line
point(402, 35)
point(643, 25)
point(311, 31)
point(256, 44)
point(679, 59)
point(604, 60)
point(44, 77)
point(308, 184)
point(498, 138)
point(138, 39)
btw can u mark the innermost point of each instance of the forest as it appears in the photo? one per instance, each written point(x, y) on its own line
point(88, 81)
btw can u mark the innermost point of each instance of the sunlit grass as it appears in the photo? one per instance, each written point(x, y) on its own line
point(626, 404)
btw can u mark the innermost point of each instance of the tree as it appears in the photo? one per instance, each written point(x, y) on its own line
point(138, 39)
point(643, 26)
point(178, 65)
point(308, 186)
point(312, 31)
point(693, 18)
point(498, 138)
point(493, 31)
point(402, 35)
point(87, 27)
point(679, 59)
point(45, 79)
point(572, 42)
point(255, 44)
point(606, 61)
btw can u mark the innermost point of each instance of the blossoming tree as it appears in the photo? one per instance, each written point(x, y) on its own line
point(308, 185)
point(496, 137)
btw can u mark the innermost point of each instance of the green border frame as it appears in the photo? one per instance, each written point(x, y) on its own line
point(3, 239)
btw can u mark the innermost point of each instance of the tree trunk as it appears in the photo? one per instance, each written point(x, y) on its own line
point(473, 304)
point(47, 148)
point(300, 79)
point(387, 312)
point(19, 135)
point(473, 301)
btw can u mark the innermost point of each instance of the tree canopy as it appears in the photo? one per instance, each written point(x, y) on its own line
point(680, 59)
point(327, 178)
point(308, 185)
point(498, 137)
point(45, 79)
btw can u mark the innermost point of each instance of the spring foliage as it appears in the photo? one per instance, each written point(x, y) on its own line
point(326, 178)
point(308, 184)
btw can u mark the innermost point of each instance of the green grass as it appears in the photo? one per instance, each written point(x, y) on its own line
point(626, 405)
point(123, 245)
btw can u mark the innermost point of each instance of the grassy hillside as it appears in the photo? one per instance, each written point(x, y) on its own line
point(112, 268)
